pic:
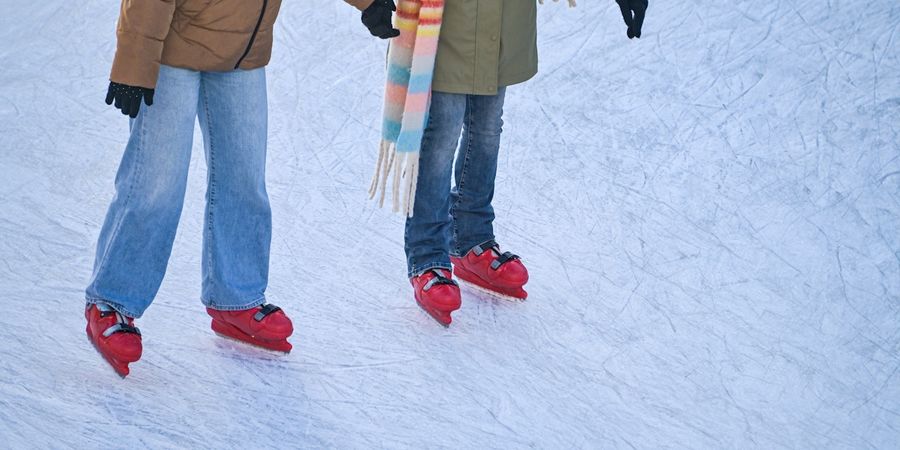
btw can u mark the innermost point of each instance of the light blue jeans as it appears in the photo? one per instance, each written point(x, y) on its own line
point(449, 221)
point(136, 239)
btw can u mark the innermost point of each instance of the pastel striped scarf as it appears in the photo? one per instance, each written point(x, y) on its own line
point(407, 99)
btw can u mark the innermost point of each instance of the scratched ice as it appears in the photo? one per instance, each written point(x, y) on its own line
point(711, 217)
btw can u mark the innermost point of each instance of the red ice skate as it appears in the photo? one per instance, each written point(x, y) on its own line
point(114, 336)
point(486, 268)
point(265, 326)
point(437, 294)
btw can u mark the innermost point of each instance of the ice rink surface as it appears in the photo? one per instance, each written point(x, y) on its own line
point(710, 215)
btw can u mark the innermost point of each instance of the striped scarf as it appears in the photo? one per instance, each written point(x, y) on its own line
point(407, 100)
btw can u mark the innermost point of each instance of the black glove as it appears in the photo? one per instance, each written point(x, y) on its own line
point(377, 18)
point(128, 98)
point(633, 13)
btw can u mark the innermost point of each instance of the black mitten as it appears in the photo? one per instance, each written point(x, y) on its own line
point(377, 18)
point(633, 12)
point(128, 98)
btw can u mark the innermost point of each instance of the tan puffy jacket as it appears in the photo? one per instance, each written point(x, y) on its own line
point(207, 35)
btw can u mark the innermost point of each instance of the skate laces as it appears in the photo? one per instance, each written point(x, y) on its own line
point(438, 280)
point(502, 258)
point(121, 326)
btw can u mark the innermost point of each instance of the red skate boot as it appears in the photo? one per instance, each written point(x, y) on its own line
point(437, 294)
point(114, 336)
point(500, 274)
point(265, 326)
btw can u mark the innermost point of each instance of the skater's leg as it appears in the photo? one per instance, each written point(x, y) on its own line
point(476, 257)
point(476, 169)
point(136, 238)
point(427, 235)
point(238, 223)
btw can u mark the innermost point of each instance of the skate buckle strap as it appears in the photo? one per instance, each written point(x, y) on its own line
point(105, 310)
point(485, 246)
point(265, 311)
point(438, 279)
point(121, 328)
point(503, 259)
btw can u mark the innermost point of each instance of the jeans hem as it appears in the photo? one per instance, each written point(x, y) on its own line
point(119, 308)
point(253, 304)
point(419, 270)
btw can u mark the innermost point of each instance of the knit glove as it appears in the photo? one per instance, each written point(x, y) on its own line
point(377, 18)
point(128, 98)
point(633, 13)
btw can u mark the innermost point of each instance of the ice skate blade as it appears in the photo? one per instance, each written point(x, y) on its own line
point(494, 293)
point(232, 333)
point(474, 281)
point(254, 346)
point(121, 369)
point(442, 317)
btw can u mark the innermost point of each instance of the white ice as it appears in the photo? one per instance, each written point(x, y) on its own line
point(711, 218)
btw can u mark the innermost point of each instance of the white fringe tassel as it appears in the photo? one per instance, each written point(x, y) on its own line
point(405, 168)
point(571, 2)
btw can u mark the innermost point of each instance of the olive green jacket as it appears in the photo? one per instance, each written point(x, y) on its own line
point(486, 44)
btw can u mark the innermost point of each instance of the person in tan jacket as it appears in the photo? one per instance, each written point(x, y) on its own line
point(178, 61)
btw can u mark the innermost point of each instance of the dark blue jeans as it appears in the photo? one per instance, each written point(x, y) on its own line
point(449, 221)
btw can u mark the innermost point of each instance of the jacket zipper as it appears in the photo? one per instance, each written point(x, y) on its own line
point(253, 36)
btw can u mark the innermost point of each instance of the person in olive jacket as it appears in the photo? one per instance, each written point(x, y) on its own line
point(175, 62)
point(484, 47)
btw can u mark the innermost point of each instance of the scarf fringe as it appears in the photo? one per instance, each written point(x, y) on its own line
point(405, 170)
point(571, 3)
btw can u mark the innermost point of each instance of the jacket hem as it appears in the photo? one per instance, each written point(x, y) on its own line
point(469, 89)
